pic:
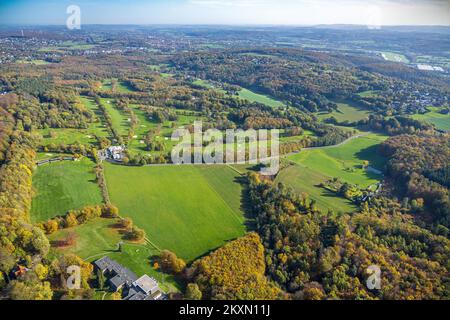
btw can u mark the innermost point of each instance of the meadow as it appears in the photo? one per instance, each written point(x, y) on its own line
point(189, 210)
point(345, 161)
point(62, 186)
point(260, 98)
point(304, 180)
point(347, 111)
point(441, 121)
point(311, 167)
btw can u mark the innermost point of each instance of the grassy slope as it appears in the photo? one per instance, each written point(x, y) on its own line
point(100, 238)
point(182, 208)
point(304, 180)
point(63, 186)
point(441, 121)
point(345, 161)
point(346, 111)
point(311, 167)
point(255, 97)
point(119, 118)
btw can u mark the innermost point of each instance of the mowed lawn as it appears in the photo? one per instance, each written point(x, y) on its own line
point(260, 98)
point(120, 120)
point(62, 186)
point(189, 210)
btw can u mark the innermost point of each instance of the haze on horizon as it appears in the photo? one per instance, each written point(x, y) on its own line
point(230, 12)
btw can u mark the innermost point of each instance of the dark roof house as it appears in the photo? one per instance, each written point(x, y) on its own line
point(144, 288)
point(119, 275)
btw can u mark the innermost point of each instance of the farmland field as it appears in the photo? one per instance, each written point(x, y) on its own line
point(99, 238)
point(189, 210)
point(441, 121)
point(63, 186)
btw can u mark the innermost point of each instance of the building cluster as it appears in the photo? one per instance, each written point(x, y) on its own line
point(115, 153)
point(133, 288)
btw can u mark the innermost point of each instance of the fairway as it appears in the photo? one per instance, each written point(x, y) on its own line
point(63, 186)
point(263, 99)
point(189, 210)
point(120, 120)
point(441, 121)
point(345, 162)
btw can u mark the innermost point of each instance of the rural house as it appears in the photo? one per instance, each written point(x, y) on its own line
point(119, 277)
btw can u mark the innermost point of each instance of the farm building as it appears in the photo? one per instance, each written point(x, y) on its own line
point(119, 277)
point(115, 153)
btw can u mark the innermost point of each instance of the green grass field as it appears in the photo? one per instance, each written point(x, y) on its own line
point(121, 87)
point(395, 57)
point(99, 238)
point(35, 62)
point(120, 120)
point(312, 167)
point(256, 97)
point(189, 210)
point(346, 111)
point(63, 186)
point(304, 180)
point(441, 121)
point(345, 161)
point(137, 144)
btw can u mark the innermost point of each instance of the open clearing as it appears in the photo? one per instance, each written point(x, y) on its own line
point(189, 210)
point(62, 186)
point(311, 167)
point(260, 98)
point(101, 237)
point(441, 121)
point(304, 180)
point(347, 111)
point(345, 161)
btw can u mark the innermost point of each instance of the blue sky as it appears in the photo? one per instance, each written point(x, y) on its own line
point(283, 12)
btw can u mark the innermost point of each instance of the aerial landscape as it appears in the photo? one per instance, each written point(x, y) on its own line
point(337, 187)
